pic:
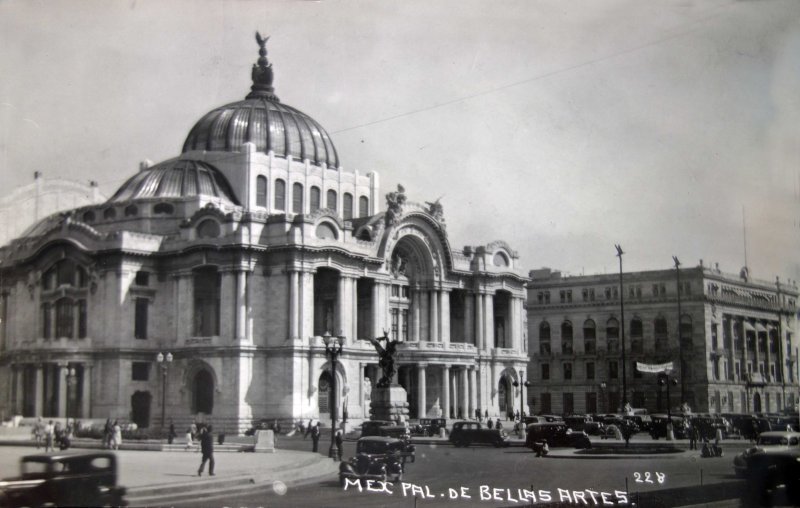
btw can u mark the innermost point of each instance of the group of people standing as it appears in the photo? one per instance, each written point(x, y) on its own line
point(112, 435)
point(52, 434)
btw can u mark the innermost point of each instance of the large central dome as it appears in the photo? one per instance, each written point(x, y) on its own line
point(262, 119)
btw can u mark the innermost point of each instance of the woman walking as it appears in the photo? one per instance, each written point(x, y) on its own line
point(116, 437)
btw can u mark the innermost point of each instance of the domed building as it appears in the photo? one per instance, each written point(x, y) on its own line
point(206, 287)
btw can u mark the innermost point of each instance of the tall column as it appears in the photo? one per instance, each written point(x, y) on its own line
point(444, 317)
point(422, 406)
point(454, 392)
point(434, 299)
point(18, 370)
point(446, 391)
point(86, 395)
point(62, 390)
point(489, 322)
point(424, 308)
point(354, 314)
point(377, 323)
point(415, 315)
point(479, 335)
point(516, 324)
point(341, 306)
point(465, 393)
point(740, 321)
point(294, 308)
point(473, 390)
point(469, 333)
point(38, 390)
point(241, 310)
point(306, 310)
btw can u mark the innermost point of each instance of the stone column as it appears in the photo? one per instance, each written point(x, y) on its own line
point(306, 310)
point(421, 402)
point(446, 391)
point(424, 323)
point(19, 376)
point(415, 315)
point(488, 322)
point(38, 390)
point(473, 390)
point(63, 370)
point(241, 305)
point(454, 392)
point(86, 395)
point(342, 320)
point(354, 314)
point(294, 308)
point(745, 356)
point(376, 312)
point(465, 393)
point(479, 328)
point(516, 323)
point(444, 319)
point(434, 305)
point(469, 333)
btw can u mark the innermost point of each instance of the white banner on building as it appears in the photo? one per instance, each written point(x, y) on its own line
point(654, 368)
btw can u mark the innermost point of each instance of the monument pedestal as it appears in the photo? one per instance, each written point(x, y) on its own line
point(389, 403)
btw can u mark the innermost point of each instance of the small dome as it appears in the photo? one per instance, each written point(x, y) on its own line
point(178, 178)
point(261, 119)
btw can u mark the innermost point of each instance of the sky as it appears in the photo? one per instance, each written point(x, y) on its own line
point(563, 127)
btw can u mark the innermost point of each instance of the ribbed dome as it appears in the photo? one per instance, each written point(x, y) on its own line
point(262, 119)
point(176, 179)
point(268, 124)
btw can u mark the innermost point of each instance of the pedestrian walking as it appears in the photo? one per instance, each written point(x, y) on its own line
point(172, 434)
point(694, 433)
point(49, 437)
point(189, 442)
point(477, 414)
point(486, 415)
point(108, 430)
point(116, 435)
point(339, 445)
point(38, 432)
point(315, 432)
point(207, 448)
point(489, 423)
point(497, 424)
point(308, 428)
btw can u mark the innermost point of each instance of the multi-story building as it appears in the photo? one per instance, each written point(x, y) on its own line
point(737, 352)
point(233, 260)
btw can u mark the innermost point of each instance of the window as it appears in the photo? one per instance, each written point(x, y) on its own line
point(544, 338)
point(395, 322)
point(567, 371)
point(395, 290)
point(347, 205)
point(142, 278)
point(569, 296)
point(140, 321)
point(88, 216)
point(585, 294)
point(613, 369)
point(566, 338)
point(140, 371)
point(208, 228)
point(280, 195)
point(404, 327)
point(545, 371)
point(562, 296)
point(569, 405)
point(612, 335)
point(207, 283)
point(64, 318)
point(46, 321)
point(589, 371)
point(637, 341)
point(714, 341)
point(363, 206)
point(331, 200)
point(297, 198)
point(661, 335)
point(589, 336)
point(655, 289)
point(546, 406)
point(109, 213)
point(261, 191)
point(547, 297)
point(315, 198)
point(163, 209)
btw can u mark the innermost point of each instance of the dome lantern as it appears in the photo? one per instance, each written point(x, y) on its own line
point(262, 74)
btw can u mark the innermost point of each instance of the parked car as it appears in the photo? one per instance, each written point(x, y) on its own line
point(768, 443)
point(708, 425)
point(384, 428)
point(430, 426)
point(468, 433)
point(658, 426)
point(642, 421)
point(377, 458)
point(556, 434)
point(577, 422)
point(773, 479)
point(75, 479)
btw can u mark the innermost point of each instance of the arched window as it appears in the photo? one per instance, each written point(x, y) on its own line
point(347, 205)
point(589, 337)
point(131, 210)
point(325, 231)
point(297, 198)
point(612, 335)
point(64, 317)
point(363, 206)
point(109, 213)
point(209, 228)
point(566, 338)
point(637, 339)
point(324, 393)
point(660, 334)
point(331, 200)
point(88, 216)
point(315, 198)
point(261, 191)
point(163, 209)
point(207, 284)
point(203, 400)
point(544, 338)
point(280, 194)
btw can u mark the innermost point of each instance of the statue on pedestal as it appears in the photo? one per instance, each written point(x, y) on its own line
point(385, 359)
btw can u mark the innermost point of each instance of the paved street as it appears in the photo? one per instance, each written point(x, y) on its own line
point(442, 467)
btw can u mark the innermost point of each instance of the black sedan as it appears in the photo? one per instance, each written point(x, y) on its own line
point(469, 433)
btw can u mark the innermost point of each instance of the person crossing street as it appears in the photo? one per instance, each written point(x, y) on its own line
point(207, 448)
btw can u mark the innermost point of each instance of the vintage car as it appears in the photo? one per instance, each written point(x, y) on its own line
point(377, 458)
point(430, 426)
point(582, 423)
point(75, 479)
point(768, 443)
point(384, 428)
point(470, 432)
point(773, 479)
point(556, 434)
point(658, 426)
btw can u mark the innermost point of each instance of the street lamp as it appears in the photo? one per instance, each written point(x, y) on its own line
point(164, 362)
point(522, 385)
point(665, 380)
point(622, 328)
point(333, 348)
point(680, 328)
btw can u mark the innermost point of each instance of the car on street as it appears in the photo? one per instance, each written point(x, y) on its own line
point(468, 433)
point(773, 479)
point(556, 434)
point(377, 458)
point(384, 428)
point(64, 479)
point(768, 443)
point(430, 426)
point(658, 426)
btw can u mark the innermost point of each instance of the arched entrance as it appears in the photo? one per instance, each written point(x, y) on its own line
point(504, 396)
point(324, 393)
point(140, 408)
point(757, 402)
point(203, 391)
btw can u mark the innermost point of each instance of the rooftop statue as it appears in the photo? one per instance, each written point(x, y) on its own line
point(385, 358)
point(394, 205)
point(436, 209)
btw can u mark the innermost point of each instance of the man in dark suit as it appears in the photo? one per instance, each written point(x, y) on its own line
point(207, 448)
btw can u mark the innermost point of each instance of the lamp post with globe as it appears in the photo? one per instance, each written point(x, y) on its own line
point(522, 385)
point(333, 348)
point(164, 361)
